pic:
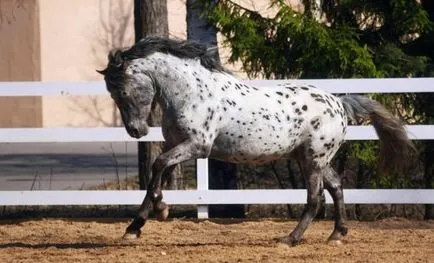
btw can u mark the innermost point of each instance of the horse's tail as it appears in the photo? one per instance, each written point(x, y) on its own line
point(395, 146)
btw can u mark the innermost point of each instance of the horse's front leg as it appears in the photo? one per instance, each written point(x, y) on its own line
point(161, 209)
point(185, 151)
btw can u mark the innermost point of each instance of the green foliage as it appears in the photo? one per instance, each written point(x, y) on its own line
point(365, 151)
point(389, 182)
point(358, 39)
point(392, 62)
point(290, 44)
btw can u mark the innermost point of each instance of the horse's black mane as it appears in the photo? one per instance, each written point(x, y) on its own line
point(151, 44)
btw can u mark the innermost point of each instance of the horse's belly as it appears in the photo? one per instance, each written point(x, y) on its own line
point(243, 159)
point(244, 150)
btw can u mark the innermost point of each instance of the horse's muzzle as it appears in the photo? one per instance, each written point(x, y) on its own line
point(137, 132)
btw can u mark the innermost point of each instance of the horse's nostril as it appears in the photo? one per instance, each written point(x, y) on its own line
point(134, 132)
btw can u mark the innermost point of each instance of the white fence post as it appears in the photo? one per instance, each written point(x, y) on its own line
point(202, 184)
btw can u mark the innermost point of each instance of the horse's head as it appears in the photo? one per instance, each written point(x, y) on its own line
point(133, 94)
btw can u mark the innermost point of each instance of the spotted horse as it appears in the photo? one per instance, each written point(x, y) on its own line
point(210, 113)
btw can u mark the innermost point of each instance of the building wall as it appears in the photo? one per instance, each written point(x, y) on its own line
point(75, 39)
point(20, 61)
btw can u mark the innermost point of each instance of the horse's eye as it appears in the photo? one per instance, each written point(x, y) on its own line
point(123, 93)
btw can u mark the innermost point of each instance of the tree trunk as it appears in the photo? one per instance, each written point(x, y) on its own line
point(198, 29)
point(222, 175)
point(150, 18)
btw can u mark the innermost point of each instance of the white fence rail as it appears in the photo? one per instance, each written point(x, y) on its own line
point(396, 85)
point(207, 197)
point(15, 135)
point(203, 196)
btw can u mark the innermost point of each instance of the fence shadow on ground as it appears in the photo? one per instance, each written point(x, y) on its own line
point(78, 245)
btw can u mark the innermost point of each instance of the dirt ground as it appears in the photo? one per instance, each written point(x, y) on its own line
point(99, 240)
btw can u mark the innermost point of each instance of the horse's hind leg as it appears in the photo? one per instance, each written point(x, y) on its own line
point(314, 184)
point(333, 184)
point(182, 152)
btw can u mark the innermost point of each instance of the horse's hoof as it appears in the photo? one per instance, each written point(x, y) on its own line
point(344, 230)
point(163, 214)
point(161, 210)
point(131, 235)
point(335, 242)
point(288, 240)
point(337, 236)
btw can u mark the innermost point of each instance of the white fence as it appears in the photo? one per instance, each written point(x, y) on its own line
point(203, 196)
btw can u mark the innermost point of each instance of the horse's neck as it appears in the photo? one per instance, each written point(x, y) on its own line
point(179, 79)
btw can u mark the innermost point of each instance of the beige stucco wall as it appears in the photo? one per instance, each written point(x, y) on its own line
point(75, 39)
point(19, 61)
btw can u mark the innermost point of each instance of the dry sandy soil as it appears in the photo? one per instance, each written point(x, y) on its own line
point(99, 240)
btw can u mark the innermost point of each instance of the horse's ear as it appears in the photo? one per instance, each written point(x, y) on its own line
point(102, 72)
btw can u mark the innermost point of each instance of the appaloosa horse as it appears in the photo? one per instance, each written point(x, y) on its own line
point(209, 113)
